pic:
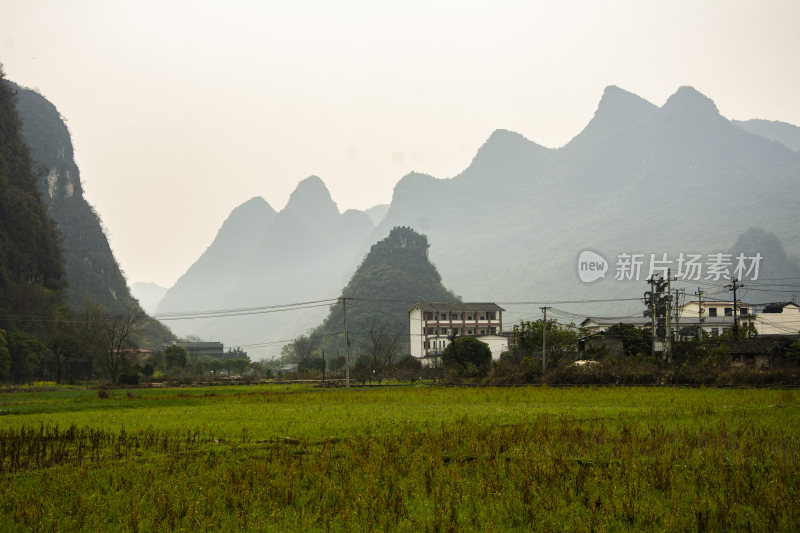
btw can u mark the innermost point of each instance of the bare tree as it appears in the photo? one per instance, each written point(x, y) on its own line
point(106, 336)
point(115, 333)
point(61, 340)
point(382, 344)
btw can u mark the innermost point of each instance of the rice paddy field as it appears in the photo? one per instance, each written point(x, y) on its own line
point(421, 458)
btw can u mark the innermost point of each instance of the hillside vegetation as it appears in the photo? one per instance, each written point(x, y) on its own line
point(395, 274)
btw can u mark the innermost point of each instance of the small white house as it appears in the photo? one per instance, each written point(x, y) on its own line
point(781, 318)
point(713, 309)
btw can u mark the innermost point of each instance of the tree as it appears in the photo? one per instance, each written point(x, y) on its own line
point(408, 368)
point(24, 349)
point(114, 332)
point(5, 358)
point(300, 348)
point(236, 353)
point(635, 340)
point(792, 352)
point(214, 366)
point(237, 366)
point(63, 344)
point(310, 364)
point(176, 357)
point(560, 339)
point(336, 363)
point(467, 356)
point(382, 344)
point(362, 369)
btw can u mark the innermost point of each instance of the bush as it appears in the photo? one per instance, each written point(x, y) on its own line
point(467, 357)
point(408, 368)
point(129, 379)
point(513, 370)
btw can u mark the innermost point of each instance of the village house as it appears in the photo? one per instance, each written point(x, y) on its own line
point(713, 309)
point(196, 350)
point(780, 318)
point(715, 319)
point(431, 325)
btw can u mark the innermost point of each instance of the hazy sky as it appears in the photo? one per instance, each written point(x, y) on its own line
point(181, 110)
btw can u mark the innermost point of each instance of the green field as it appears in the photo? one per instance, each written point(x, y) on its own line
point(281, 457)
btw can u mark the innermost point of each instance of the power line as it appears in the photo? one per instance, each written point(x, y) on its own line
point(221, 313)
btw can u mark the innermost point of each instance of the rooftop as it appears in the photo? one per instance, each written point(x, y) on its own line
point(447, 307)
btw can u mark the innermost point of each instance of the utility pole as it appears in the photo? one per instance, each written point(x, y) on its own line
point(677, 314)
point(346, 344)
point(733, 286)
point(544, 339)
point(652, 302)
point(668, 351)
point(700, 312)
point(323, 366)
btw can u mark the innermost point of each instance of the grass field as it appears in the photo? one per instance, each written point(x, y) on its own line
point(280, 457)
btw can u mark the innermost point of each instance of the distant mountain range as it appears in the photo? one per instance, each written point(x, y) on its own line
point(149, 295)
point(304, 253)
point(781, 132)
point(639, 179)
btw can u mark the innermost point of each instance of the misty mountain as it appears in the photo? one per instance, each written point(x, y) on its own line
point(377, 212)
point(779, 273)
point(31, 265)
point(148, 295)
point(91, 270)
point(206, 284)
point(787, 134)
point(304, 253)
point(394, 275)
point(638, 179)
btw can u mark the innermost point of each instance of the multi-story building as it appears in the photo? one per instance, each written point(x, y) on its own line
point(431, 326)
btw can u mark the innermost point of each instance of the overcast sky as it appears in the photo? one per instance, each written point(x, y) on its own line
point(181, 110)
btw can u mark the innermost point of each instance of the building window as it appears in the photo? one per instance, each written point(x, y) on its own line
point(444, 316)
point(428, 315)
point(493, 331)
point(483, 332)
point(469, 317)
point(483, 317)
point(729, 311)
point(743, 311)
point(714, 331)
point(470, 331)
point(712, 311)
point(490, 315)
point(431, 331)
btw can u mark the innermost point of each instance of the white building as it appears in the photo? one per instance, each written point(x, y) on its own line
point(713, 309)
point(716, 318)
point(782, 318)
point(431, 326)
